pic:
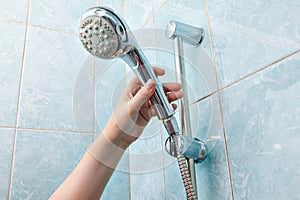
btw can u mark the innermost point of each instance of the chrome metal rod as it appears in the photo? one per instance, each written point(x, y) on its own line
point(184, 103)
point(143, 70)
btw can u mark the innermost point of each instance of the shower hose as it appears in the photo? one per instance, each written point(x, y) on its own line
point(185, 174)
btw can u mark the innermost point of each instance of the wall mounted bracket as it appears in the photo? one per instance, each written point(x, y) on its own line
point(193, 149)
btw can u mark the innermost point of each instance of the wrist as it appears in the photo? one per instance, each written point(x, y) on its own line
point(115, 135)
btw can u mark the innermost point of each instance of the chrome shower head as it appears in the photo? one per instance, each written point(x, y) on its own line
point(103, 33)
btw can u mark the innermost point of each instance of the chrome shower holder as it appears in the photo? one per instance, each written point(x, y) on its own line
point(191, 148)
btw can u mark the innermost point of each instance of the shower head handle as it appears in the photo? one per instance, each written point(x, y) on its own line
point(105, 35)
point(137, 61)
point(142, 69)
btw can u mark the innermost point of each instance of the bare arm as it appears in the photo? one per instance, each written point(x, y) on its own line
point(91, 175)
point(130, 117)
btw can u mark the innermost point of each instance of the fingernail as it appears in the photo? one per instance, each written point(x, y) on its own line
point(150, 84)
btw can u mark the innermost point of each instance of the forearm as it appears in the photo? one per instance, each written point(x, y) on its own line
point(91, 175)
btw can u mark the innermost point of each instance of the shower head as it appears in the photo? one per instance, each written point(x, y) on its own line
point(104, 34)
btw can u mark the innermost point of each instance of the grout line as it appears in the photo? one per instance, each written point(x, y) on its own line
point(53, 29)
point(94, 98)
point(219, 98)
point(18, 103)
point(201, 99)
point(95, 91)
point(54, 131)
point(38, 26)
point(128, 150)
point(154, 13)
point(261, 69)
point(163, 166)
point(47, 130)
point(129, 185)
point(161, 132)
point(248, 76)
point(197, 101)
point(7, 127)
point(11, 20)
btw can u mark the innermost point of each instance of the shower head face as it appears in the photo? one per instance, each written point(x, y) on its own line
point(102, 33)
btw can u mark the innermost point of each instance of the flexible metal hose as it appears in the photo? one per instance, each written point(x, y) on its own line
point(185, 174)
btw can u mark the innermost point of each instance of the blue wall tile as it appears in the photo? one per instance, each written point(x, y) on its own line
point(16, 9)
point(262, 124)
point(110, 82)
point(173, 181)
point(212, 174)
point(118, 186)
point(43, 160)
point(248, 35)
point(146, 164)
point(61, 15)
point(83, 96)
point(116, 5)
point(138, 13)
point(53, 61)
point(11, 52)
point(260, 113)
point(6, 146)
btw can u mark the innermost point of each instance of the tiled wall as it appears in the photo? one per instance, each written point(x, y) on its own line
point(50, 88)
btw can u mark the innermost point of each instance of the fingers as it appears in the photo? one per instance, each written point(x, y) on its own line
point(159, 71)
point(141, 97)
point(174, 106)
point(169, 87)
point(153, 113)
point(135, 83)
point(173, 96)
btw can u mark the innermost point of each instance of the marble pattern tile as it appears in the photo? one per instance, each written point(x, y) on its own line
point(212, 174)
point(146, 164)
point(6, 145)
point(261, 113)
point(110, 82)
point(138, 13)
point(57, 14)
point(43, 160)
point(54, 63)
point(147, 185)
point(11, 52)
point(117, 6)
point(173, 183)
point(118, 186)
point(15, 10)
point(262, 125)
point(248, 35)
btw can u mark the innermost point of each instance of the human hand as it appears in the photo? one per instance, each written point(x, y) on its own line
point(134, 109)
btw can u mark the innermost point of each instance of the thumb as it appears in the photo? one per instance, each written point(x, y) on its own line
point(143, 95)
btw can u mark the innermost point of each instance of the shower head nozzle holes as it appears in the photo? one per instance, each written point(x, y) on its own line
point(98, 36)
